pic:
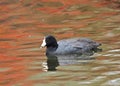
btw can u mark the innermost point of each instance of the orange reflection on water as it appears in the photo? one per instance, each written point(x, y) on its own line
point(23, 24)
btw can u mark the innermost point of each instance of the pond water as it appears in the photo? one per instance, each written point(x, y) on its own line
point(23, 25)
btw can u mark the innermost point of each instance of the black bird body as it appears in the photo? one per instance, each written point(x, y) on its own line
point(71, 46)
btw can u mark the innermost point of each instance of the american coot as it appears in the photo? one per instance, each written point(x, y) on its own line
point(70, 46)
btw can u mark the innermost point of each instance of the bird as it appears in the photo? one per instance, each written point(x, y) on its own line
point(78, 45)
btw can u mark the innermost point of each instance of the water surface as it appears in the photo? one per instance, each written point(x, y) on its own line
point(24, 23)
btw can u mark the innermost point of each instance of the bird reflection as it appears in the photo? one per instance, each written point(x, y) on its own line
point(53, 61)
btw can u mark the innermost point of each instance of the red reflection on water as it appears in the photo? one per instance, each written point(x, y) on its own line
point(13, 70)
point(21, 25)
point(52, 9)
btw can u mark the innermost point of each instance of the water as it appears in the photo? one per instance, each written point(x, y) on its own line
point(23, 24)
